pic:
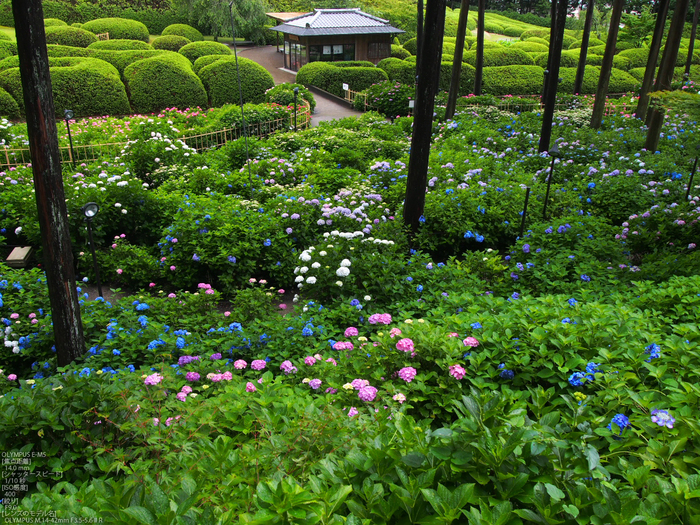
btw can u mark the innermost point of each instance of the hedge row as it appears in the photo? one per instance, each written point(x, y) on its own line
point(505, 56)
point(195, 50)
point(530, 47)
point(328, 77)
point(118, 28)
point(189, 32)
point(220, 80)
point(120, 44)
point(170, 42)
point(69, 36)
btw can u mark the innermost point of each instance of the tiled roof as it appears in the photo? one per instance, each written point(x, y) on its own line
point(336, 22)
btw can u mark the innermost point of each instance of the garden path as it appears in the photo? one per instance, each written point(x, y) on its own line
point(326, 107)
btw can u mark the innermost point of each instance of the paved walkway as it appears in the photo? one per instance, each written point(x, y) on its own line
point(270, 59)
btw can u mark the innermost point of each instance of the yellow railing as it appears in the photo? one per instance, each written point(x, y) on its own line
point(91, 152)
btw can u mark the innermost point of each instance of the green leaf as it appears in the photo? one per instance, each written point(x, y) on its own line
point(571, 509)
point(157, 501)
point(141, 514)
point(554, 492)
point(443, 433)
point(414, 459)
point(593, 457)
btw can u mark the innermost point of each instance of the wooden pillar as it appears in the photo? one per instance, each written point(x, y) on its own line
point(606, 68)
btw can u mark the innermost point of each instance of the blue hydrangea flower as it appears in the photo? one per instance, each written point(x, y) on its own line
point(419, 288)
point(231, 259)
point(654, 352)
point(143, 320)
point(180, 343)
point(572, 302)
point(85, 372)
point(142, 306)
point(585, 278)
point(621, 420)
point(577, 379)
point(267, 242)
point(476, 325)
point(116, 352)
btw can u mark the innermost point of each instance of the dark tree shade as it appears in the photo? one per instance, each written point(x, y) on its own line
point(48, 181)
point(417, 179)
point(650, 71)
point(479, 75)
point(457, 63)
point(578, 83)
point(691, 46)
point(606, 68)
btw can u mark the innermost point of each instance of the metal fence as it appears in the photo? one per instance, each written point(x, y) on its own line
point(10, 157)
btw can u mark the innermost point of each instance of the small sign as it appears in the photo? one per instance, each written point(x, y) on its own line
point(346, 87)
point(411, 103)
point(326, 50)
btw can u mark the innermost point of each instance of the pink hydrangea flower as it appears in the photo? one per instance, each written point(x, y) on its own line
point(405, 345)
point(332, 361)
point(457, 371)
point(258, 364)
point(120, 271)
point(309, 361)
point(367, 393)
point(14, 316)
point(12, 377)
point(471, 341)
point(186, 389)
point(343, 345)
point(407, 373)
point(227, 376)
point(156, 421)
point(250, 387)
point(283, 306)
point(32, 315)
point(359, 383)
point(287, 367)
point(240, 364)
point(315, 383)
point(192, 376)
point(394, 332)
point(351, 331)
point(215, 377)
point(352, 412)
point(453, 334)
point(153, 379)
point(380, 319)
point(399, 397)
point(181, 396)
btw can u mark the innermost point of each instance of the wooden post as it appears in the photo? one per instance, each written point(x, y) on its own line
point(606, 68)
point(650, 71)
point(580, 71)
point(48, 181)
point(691, 45)
point(417, 180)
point(479, 75)
point(457, 63)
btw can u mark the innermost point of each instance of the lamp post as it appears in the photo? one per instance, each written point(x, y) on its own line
point(68, 115)
point(554, 153)
point(692, 174)
point(90, 210)
point(296, 94)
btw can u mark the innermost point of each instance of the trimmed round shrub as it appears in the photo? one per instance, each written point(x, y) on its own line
point(8, 105)
point(54, 50)
point(399, 52)
point(513, 31)
point(492, 27)
point(619, 62)
point(48, 22)
point(195, 50)
point(122, 59)
point(170, 42)
point(283, 94)
point(329, 78)
point(501, 56)
point(204, 61)
point(530, 47)
point(539, 33)
point(622, 45)
point(354, 63)
point(637, 56)
point(636, 72)
point(359, 78)
point(162, 82)
point(466, 78)
point(567, 41)
point(4, 36)
point(120, 44)
point(538, 40)
point(7, 49)
point(9, 62)
point(220, 79)
point(189, 32)
point(411, 46)
point(596, 50)
point(119, 28)
point(76, 24)
point(488, 44)
point(400, 71)
point(319, 74)
point(86, 85)
point(620, 81)
point(69, 36)
point(592, 41)
point(513, 80)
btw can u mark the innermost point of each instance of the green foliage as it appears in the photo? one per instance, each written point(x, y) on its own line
point(501, 56)
point(537, 40)
point(538, 33)
point(399, 52)
point(183, 30)
point(161, 82)
point(55, 50)
point(353, 63)
point(220, 79)
point(389, 98)
point(54, 22)
point(466, 77)
point(513, 31)
point(195, 50)
point(170, 42)
point(399, 71)
point(69, 36)
point(88, 86)
point(530, 47)
point(492, 27)
point(7, 49)
point(8, 105)
point(119, 28)
point(283, 94)
point(592, 41)
point(122, 59)
point(330, 78)
point(411, 46)
point(513, 80)
point(637, 28)
point(637, 57)
point(120, 45)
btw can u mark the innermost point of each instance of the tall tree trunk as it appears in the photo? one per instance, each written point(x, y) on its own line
point(552, 83)
point(457, 64)
point(691, 46)
point(663, 82)
point(479, 76)
point(552, 33)
point(650, 71)
point(419, 35)
point(417, 179)
point(606, 67)
point(578, 83)
point(48, 179)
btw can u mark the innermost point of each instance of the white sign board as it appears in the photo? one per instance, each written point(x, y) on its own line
point(346, 87)
point(411, 103)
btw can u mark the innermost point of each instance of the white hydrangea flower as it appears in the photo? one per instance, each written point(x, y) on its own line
point(305, 256)
point(303, 269)
point(345, 263)
point(311, 280)
point(368, 297)
point(299, 279)
point(342, 271)
point(339, 283)
point(316, 265)
point(322, 253)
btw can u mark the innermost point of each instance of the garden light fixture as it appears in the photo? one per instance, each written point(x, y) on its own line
point(554, 153)
point(296, 94)
point(692, 174)
point(67, 116)
point(90, 210)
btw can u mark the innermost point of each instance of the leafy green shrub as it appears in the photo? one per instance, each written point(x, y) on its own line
point(161, 82)
point(359, 78)
point(620, 62)
point(69, 36)
point(412, 59)
point(170, 42)
point(466, 78)
point(8, 105)
point(492, 27)
point(122, 59)
point(48, 22)
point(567, 41)
point(501, 56)
point(637, 72)
point(411, 46)
point(620, 81)
point(88, 86)
point(530, 47)
point(621, 45)
point(119, 28)
point(76, 24)
point(7, 49)
point(596, 50)
point(283, 94)
point(9, 62)
point(513, 80)
point(55, 50)
point(220, 80)
point(353, 63)
point(195, 50)
point(539, 33)
point(399, 71)
point(513, 31)
point(592, 41)
point(188, 32)
point(389, 98)
point(637, 56)
point(120, 44)
point(399, 52)
point(537, 40)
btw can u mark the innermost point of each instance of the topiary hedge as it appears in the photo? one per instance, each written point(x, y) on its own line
point(399, 70)
point(538, 40)
point(8, 105)
point(637, 56)
point(199, 49)
point(161, 82)
point(596, 50)
point(88, 86)
point(501, 56)
point(539, 33)
point(530, 47)
point(411, 46)
point(567, 41)
point(592, 41)
point(188, 32)
point(399, 52)
point(283, 94)
point(120, 44)
point(49, 22)
point(619, 62)
point(353, 63)
point(329, 78)
point(513, 80)
point(9, 63)
point(122, 59)
point(69, 36)
point(636, 72)
point(220, 79)
point(54, 50)
point(466, 78)
point(620, 81)
point(170, 42)
point(622, 45)
point(7, 49)
point(119, 28)
point(513, 31)
point(492, 27)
